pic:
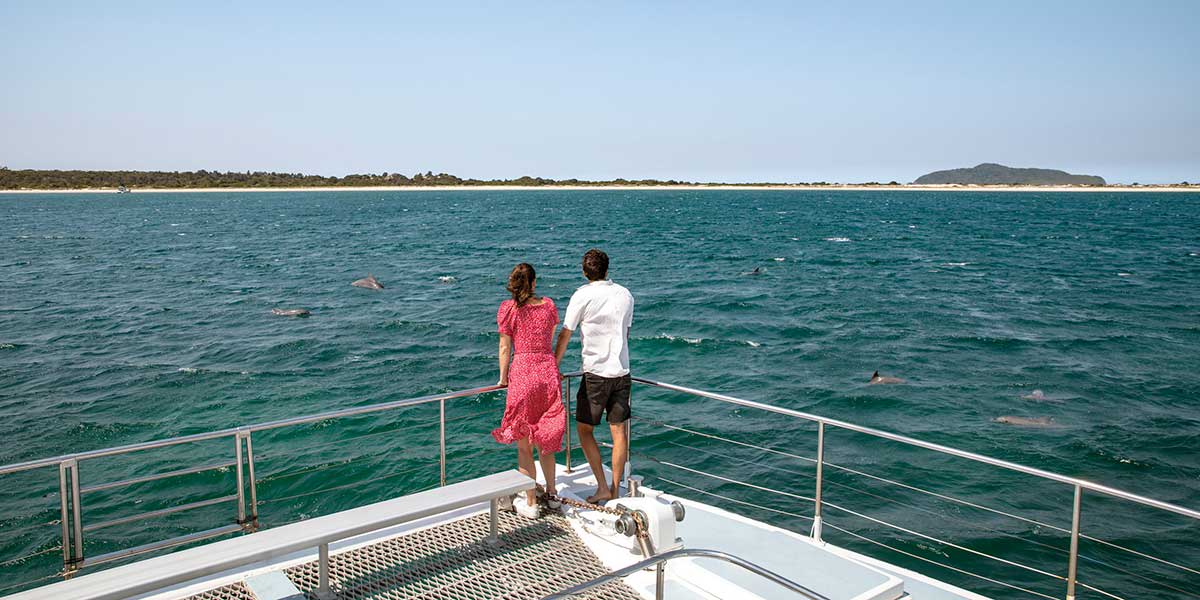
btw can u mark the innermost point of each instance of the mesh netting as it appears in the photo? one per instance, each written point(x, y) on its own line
point(452, 562)
point(235, 591)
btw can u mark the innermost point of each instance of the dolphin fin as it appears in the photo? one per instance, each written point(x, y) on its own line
point(876, 374)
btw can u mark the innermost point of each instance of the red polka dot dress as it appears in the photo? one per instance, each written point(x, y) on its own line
point(533, 408)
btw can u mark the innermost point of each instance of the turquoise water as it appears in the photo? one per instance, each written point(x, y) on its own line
point(137, 317)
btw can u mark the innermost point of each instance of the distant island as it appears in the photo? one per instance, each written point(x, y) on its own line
point(985, 177)
point(994, 174)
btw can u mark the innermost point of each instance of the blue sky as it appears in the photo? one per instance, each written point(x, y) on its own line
point(735, 91)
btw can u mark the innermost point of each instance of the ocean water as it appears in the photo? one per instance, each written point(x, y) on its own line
point(137, 317)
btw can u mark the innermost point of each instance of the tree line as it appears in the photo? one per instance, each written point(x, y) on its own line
point(38, 179)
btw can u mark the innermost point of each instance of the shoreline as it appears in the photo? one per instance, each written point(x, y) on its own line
point(459, 188)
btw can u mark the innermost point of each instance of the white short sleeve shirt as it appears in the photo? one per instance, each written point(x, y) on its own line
point(602, 313)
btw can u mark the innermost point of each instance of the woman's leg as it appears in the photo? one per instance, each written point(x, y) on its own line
point(525, 465)
point(549, 466)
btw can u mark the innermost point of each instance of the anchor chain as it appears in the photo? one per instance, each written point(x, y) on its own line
point(641, 530)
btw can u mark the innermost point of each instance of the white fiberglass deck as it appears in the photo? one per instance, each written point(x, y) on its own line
point(445, 556)
point(834, 572)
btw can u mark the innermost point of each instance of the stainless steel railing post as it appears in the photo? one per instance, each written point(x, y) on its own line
point(816, 528)
point(66, 519)
point(628, 444)
point(1074, 556)
point(660, 580)
point(567, 419)
point(253, 486)
point(442, 440)
point(241, 482)
point(78, 509)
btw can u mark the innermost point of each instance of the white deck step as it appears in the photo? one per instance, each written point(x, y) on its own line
point(171, 569)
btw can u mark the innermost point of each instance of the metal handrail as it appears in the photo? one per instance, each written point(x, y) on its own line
point(921, 490)
point(1079, 485)
point(1083, 483)
point(657, 561)
point(71, 491)
point(212, 435)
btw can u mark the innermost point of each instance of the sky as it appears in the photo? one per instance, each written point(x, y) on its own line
point(697, 91)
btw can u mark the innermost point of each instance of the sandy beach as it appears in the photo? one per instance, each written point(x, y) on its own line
point(485, 188)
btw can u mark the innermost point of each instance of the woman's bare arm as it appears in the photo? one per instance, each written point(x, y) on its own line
point(505, 358)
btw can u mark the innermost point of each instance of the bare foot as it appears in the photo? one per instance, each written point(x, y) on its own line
point(601, 496)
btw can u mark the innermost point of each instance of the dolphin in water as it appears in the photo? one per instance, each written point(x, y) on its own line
point(1037, 395)
point(877, 379)
point(1026, 421)
point(369, 282)
point(290, 312)
point(756, 271)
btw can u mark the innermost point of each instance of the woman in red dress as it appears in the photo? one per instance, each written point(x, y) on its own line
point(533, 411)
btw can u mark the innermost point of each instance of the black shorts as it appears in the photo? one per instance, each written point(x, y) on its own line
point(598, 395)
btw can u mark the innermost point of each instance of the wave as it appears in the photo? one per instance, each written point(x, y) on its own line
point(837, 239)
point(203, 371)
point(416, 325)
point(696, 341)
point(986, 341)
point(447, 279)
point(674, 338)
point(8, 346)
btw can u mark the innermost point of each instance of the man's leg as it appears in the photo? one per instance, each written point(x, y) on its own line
point(619, 414)
point(620, 454)
point(591, 450)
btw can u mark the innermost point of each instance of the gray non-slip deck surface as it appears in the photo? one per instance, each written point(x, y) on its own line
point(451, 562)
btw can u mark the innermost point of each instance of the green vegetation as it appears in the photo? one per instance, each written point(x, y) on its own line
point(994, 174)
point(35, 179)
point(38, 179)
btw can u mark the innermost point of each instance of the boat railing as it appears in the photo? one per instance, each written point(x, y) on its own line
point(659, 561)
point(72, 491)
point(1078, 486)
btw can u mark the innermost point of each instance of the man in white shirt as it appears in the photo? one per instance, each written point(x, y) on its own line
point(602, 311)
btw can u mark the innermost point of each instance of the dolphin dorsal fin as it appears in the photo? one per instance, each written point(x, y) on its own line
point(876, 374)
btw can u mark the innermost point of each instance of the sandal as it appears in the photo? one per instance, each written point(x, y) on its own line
point(544, 497)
